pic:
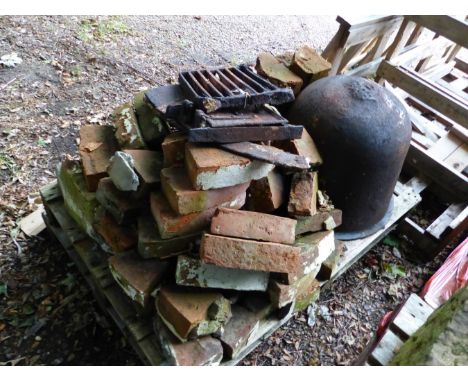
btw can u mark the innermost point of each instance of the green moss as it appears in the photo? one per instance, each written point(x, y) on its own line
point(417, 350)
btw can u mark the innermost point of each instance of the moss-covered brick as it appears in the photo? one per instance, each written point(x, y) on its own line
point(153, 128)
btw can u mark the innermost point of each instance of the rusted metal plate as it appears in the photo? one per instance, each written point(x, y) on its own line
point(231, 87)
point(165, 96)
point(244, 133)
point(261, 117)
point(268, 154)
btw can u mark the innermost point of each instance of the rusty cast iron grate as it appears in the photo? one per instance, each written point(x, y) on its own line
point(231, 87)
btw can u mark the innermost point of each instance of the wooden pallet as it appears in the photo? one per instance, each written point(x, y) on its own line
point(406, 321)
point(135, 324)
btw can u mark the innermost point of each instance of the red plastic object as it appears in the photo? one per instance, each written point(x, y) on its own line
point(451, 276)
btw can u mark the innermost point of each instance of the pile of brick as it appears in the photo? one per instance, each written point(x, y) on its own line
point(208, 242)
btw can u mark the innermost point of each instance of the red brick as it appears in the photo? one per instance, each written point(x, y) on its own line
point(184, 199)
point(204, 351)
point(97, 145)
point(118, 238)
point(170, 224)
point(210, 167)
point(187, 313)
point(282, 294)
point(266, 194)
point(304, 146)
point(137, 277)
point(303, 194)
point(253, 225)
point(173, 148)
point(248, 254)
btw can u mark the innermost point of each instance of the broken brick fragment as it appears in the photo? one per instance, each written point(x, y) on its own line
point(97, 145)
point(203, 351)
point(193, 272)
point(151, 245)
point(277, 72)
point(170, 224)
point(185, 200)
point(192, 313)
point(303, 194)
point(304, 146)
point(322, 220)
point(137, 277)
point(309, 65)
point(236, 253)
point(121, 171)
point(210, 167)
point(266, 194)
point(127, 131)
point(253, 225)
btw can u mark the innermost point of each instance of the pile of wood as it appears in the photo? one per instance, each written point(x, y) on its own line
point(208, 239)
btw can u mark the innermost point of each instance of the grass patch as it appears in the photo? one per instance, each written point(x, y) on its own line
point(101, 29)
point(7, 162)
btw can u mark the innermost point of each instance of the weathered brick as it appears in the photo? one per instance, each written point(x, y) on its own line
point(137, 277)
point(278, 73)
point(192, 313)
point(286, 58)
point(325, 242)
point(209, 167)
point(121, 205)
point(204, 351)
point(173, 148)
point(266, 194)
point(80, 204)
point(236, 253)
point(121, 171)
point(303, 194)
point(170, 224)
point(116, 238)
point(237, 332)
point(184, 200)
point(300, 292)
point(153, 128)
point(322, 220)
point(151, 245)
point(330, 264)
point(253, 225)
point(193, 272)
point(97, 145)
point(309, 65)
point(304, 146)
point(127, 131)
point(148, 165)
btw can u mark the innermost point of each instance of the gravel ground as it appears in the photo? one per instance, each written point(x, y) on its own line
point(76, 70)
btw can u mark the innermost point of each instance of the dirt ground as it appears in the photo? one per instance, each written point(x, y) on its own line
point(75, 70)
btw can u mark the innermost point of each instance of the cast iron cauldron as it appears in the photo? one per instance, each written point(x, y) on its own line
point(363, 133)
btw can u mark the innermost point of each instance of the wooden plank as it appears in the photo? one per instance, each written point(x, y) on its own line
point(444, 147)
point(368, 32)
point(365, 70)
point(401, 38)
point(353, 22)
point(450, 27)
point(454, 182)
point(458, 160)
point(411, 316)
point(426, 91)
point(442, 223)
point(418, 51)
point(355, 249)
point(461, 64)
point(386, 349)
